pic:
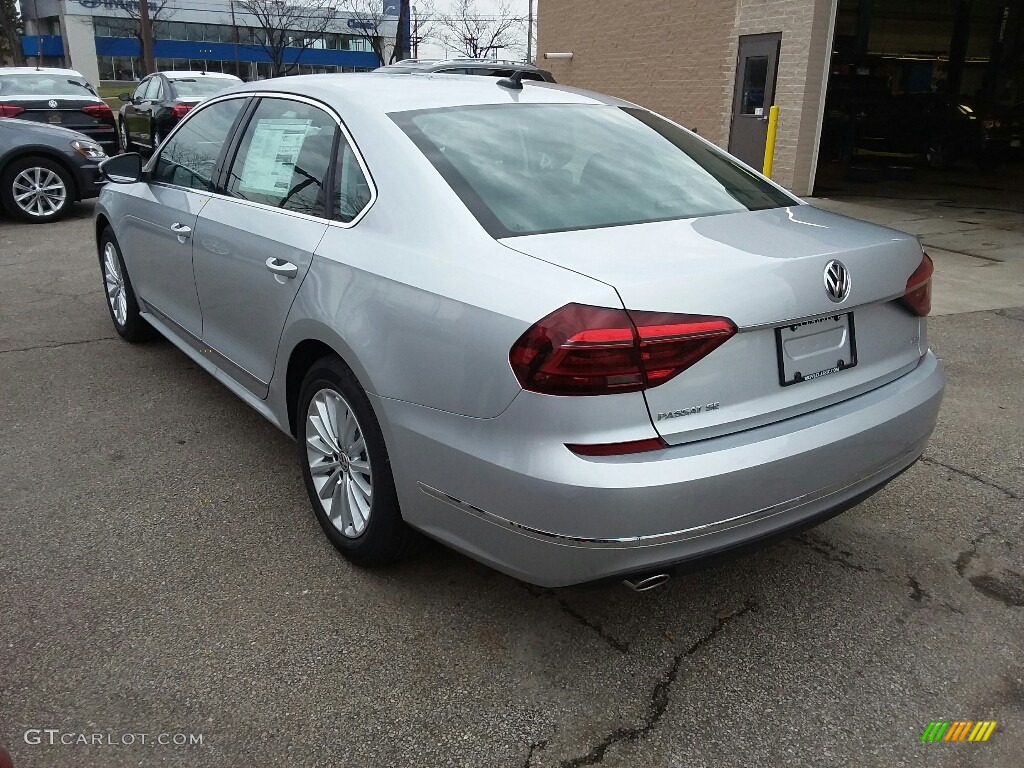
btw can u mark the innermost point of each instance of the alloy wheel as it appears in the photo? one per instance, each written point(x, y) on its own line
point(39, 192)
point(114, 282)
point(339, 463)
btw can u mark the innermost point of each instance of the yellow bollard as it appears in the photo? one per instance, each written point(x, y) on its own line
point(769, 145)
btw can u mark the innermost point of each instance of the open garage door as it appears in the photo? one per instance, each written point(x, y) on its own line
point(923, 94)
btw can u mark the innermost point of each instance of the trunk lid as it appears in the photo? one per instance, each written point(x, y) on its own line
point(765, 271)
point(60, 110)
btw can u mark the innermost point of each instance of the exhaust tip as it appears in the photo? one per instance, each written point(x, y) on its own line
point(647, 583)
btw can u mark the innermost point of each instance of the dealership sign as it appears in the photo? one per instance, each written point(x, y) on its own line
point(122, 5)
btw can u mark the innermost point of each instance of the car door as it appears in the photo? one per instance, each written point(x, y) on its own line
point(254, 244)
point(154, 98)
point(156, 236)
point(131, 109)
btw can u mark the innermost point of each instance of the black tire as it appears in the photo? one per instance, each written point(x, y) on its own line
point(386, 538)
point(122, 135)
point(134, 329)
point(155, 137)
point(12, 171)
point(938, 155)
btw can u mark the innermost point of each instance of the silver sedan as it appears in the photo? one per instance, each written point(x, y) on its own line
point(551, 329)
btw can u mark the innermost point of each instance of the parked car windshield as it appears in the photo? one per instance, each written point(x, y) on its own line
point(208, 86)
point(527, 169)
point(44, 84)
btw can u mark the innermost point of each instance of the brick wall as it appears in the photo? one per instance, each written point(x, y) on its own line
point(678, 57)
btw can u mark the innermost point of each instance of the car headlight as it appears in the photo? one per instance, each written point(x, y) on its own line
point(89, 149)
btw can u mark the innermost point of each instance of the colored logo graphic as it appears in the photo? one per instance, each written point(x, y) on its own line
point(958, 730)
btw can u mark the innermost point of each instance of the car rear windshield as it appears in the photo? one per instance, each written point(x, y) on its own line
point(201, 86)
point(534, 168)
point(40, 84)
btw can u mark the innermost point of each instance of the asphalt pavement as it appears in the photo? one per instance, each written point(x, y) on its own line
point(167, 596)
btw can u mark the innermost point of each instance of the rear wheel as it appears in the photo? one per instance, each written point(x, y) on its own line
point(37, 190)
point(346, 468)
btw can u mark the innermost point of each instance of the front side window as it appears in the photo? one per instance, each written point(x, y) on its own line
point(155, 90)
point(189, 157)
point(531, 168)
point(140, 92)
point(284, 156)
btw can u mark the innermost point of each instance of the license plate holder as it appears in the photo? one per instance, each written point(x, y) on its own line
point(812, 349)
point(54, 117)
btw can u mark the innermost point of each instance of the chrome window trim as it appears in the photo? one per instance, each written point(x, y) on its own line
point(289, 97)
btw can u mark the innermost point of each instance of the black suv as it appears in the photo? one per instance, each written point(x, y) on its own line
point(486, 67)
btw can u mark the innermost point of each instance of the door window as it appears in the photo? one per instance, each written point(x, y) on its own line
point(351, 189)
point(155, 90)
point(755, 78)
point(284, 156)
point(140, 92)
point(189, 157)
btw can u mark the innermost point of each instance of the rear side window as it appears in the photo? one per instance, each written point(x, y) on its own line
point(284, 157)
point(351, 188)
point(189, 157)
point(532, 168)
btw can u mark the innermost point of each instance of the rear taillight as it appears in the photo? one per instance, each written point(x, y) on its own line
point(98, 110)
point(585, 350)
point(918, 295)
point(180, 110)
point(10, 110)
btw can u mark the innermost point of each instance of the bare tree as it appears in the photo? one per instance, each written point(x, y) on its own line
point(297, 24)
point(370, 23)
point(131, 25)
point(10, 33)
point(476, 34)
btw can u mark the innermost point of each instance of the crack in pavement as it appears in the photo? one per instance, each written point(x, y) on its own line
point(537, 746)
point(614, 642)
point(55, 346)
point(965, 473)
point(660, 694)
point(1002, 313)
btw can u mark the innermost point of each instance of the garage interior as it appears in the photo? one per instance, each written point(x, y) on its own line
point(882, 132)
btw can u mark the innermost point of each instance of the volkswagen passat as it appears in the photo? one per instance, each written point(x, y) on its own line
point(548, 328)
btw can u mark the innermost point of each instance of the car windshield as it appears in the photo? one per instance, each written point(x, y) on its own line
point(527, 169)
point(44, 84)
point(203, 86)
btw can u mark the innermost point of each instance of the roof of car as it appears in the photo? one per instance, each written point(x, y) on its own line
point(385, 92)
point(41, 70)
point(417, 65)
point(184, 74)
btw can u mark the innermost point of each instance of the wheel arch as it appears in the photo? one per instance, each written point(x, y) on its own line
point(302, 357)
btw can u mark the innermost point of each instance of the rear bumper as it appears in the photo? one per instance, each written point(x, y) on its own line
point(558, 519)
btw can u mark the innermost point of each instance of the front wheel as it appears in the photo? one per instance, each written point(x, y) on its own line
point(346, 468)
point(126, 143)
point(37, 190)
point(121, 302)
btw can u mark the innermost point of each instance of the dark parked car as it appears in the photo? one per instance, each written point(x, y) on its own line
point(44, 169)
point(942, 129)
point(486, 67)
point(161, 100)
point(58, 97)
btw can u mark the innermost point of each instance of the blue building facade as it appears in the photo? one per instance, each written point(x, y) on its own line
point(100, 38)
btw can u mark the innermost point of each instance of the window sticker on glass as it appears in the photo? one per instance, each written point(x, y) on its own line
point(270, 161)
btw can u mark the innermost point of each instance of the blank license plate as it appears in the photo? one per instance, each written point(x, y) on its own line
point(54, 117)
point(813, 349)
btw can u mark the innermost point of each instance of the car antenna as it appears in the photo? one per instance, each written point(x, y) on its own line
point(513, 82)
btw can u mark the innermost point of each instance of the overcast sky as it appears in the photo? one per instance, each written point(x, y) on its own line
point(432, 50)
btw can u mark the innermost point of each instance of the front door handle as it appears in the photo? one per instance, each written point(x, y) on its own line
point(282, 268)
point(183, 232)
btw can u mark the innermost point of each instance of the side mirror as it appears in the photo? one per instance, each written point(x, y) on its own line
point(125, 97)
point(122, 169)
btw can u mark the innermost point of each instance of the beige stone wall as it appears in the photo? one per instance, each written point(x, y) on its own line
point(678, 57)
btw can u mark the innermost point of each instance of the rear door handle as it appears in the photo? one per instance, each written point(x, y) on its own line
point(282, 268)
point(183, 232)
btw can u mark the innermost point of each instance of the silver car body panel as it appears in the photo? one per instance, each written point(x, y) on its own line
point(424, 306)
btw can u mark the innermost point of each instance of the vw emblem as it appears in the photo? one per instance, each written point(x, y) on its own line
point(837, 281)
point(52, 103)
